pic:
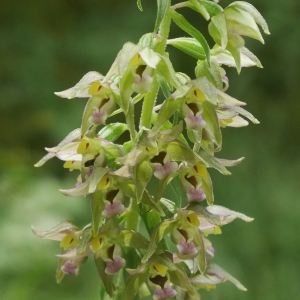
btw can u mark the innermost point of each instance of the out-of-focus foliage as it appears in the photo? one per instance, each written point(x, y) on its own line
point(46, 46)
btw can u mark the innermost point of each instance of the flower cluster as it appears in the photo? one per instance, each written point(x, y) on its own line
point(142, 242)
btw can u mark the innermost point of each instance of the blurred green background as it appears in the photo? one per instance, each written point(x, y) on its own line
point(48, 46)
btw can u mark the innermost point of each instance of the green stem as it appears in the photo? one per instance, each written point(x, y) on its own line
point(150, 98)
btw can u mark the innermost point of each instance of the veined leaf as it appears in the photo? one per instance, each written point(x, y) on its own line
point(190, 29)
point(113, 131)
point(162, 8)
point(139, 5)
point(188, 45)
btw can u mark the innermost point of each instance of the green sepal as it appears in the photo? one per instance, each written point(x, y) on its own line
point(212, 72)
point(165, 68)
point(105, 278)
point(211, 161)
point(163, 183)
point(75, 134)
point(241, 111)
point(212, 7)
point(200, 8)
point(85, 238)
point(189, 46)
point(63, 227)
point(202, 211)
point(157, 235)
point(179, 151)
point(134, 284)
point(148, 200)
point(212, 123)
point(217, 29)
point(168, 125)
point(142, 174)
point(201, 257)
point(82, 87)
point(88, 110)
point(208, 189)
point(180, 278)
point(162, 10)
point(59, 275)
point(139, 5)
point(113, 131)
point(249, 8)
point(242, 23)
point(130, 238)
point(95, 177)
point(163, 83)
point(207, 88)
point(168, 206)
point(97, 205)
point(150, 218)
point(235, 42)
point(168, 108)
point(190, 29)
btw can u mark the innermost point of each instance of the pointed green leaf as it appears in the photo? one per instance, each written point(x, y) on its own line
point(189, 46)
point(162, 10)
point(190, 29)
point(217, 29)
point(163, 183)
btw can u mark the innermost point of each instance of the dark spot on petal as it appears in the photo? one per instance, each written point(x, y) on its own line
point(192, 180)
point(193, 107)
point(159, 280)
point(183, 233)
point(103, 102)
point(159, 158)
point(110, 251)
point(111, 195)
point(140, 69)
